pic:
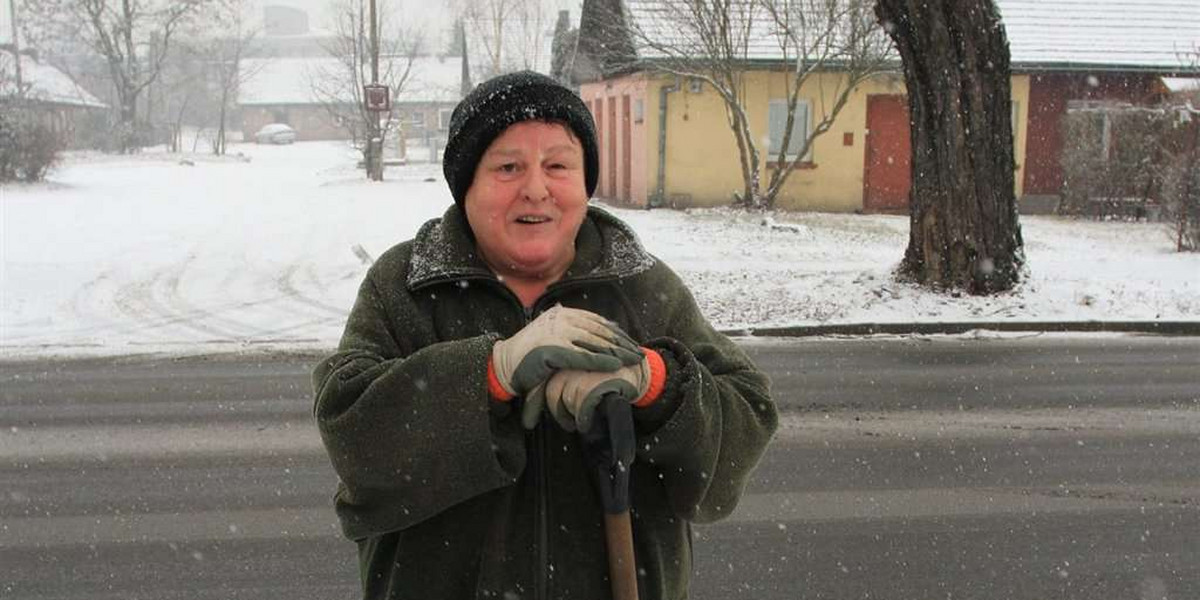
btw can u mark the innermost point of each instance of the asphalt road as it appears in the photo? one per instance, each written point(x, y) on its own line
point(926, 468)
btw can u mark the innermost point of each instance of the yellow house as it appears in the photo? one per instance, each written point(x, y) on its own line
point(696, 162)
point(665, 139)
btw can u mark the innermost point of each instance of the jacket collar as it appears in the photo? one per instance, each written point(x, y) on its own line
point(605, 248)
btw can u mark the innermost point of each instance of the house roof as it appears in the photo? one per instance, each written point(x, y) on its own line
point(1147, 34)
point(45, 83)
point(1178, 85)
point(291, 80)
point(1153, 35)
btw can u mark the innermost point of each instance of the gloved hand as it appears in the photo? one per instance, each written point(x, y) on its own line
point(572, 396)
point(561, 338)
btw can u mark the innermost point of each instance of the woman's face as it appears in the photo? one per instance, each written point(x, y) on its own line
point(527, 201)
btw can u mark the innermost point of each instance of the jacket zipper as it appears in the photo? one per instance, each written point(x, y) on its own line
point(543, 525)
point(541, 482)
point(542, 583)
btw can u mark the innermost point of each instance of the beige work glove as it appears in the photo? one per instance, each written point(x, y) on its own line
point(560, 338)
point(572, 396)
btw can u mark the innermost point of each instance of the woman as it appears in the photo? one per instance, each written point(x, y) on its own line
point(522, 293)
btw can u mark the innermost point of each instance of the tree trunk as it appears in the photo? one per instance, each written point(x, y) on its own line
point(964, 232)
point(748, 164)
point(219, 150)
point(127, 139)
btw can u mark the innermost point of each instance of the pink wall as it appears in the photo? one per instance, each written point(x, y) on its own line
point(612, 140)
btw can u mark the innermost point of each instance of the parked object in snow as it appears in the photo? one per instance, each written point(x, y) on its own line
point(275, 133)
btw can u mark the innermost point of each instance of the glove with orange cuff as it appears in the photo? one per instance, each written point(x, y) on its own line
point(572, 396)
point(560, 338)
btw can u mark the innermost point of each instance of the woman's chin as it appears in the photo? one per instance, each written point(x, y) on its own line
point(536, 264)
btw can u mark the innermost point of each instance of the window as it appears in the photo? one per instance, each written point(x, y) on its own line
point(777, 120)
point(695, 85)
point(1094, 126)
point(1016, 115)
point(444, 118)
point(639, 111)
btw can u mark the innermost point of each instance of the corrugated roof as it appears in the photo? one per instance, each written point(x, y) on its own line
point(1133, 33)
point(1043, 34)
point(45, 83)
point(290, 80)
point(1177, 85)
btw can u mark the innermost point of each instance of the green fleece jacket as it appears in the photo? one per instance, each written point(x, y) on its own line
point(448, 497)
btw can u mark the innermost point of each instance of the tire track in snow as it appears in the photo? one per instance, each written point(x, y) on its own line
point(77, 306)
point(158, 303)
point(287, 285)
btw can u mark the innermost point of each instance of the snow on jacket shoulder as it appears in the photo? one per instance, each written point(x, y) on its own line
point(445, 493)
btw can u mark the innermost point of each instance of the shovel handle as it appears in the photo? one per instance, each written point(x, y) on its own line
point(618, 533)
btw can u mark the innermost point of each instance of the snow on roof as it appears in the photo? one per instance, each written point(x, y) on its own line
point(434, 79)
point(1115, 33)
point(1043, 34)
point(45, 83)
point(1177, 85)
point(281, 80)
point(659, 21)
point(290, 80)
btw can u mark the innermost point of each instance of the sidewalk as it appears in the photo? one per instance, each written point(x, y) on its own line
point(1180, 328)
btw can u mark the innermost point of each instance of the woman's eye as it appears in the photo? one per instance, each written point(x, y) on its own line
point(507, 168)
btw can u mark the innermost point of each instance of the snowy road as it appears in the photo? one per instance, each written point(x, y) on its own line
point(203, 478)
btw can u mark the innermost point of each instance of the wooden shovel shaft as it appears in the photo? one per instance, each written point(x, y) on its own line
point(618, 532)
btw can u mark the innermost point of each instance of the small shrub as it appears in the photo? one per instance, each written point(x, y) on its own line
point(29, 147)
point(1181, 204)
point(1114, 161)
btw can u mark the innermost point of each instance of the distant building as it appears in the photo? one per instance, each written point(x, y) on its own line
point(1065, 54)
point(284, 20)
point(282, 91)
point(57, 99)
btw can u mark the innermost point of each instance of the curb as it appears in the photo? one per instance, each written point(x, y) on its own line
point(1173, 328)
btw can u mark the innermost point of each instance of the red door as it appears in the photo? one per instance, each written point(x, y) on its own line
point(598, 116)
point(888, 175)
point(626, 151)
point(611, 191)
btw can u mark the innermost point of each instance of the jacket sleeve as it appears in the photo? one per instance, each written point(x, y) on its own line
point(410, 431)
point(711, 426)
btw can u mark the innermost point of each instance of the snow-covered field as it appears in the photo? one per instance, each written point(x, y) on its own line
point(123, 255)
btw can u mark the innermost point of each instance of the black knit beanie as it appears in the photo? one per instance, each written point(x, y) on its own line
point(502, 101)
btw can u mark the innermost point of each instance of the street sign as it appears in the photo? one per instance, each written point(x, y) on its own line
point(377, 97)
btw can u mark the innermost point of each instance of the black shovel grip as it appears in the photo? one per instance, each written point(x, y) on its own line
point(609, 447)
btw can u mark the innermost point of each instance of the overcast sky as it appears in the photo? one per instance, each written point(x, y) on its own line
point(435, 16)
point(438, 14)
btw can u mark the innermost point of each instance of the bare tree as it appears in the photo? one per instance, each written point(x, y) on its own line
point(224, 65)
point(816, 36)
point(511, 33)
point(200, 81)
point(339, 88)
point(964, 233)
point(133, 36)
point(719, 42)
point(1182, 201)
point(484, 20)
point(183, 96)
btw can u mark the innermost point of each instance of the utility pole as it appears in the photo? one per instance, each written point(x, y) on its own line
point(16, 45)
point(376, 166)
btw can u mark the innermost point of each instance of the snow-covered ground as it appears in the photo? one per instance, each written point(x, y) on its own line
point(122, 255)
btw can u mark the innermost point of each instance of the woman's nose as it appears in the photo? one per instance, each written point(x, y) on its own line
point(534, 187)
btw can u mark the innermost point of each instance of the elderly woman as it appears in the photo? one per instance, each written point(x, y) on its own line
point(523, 293)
